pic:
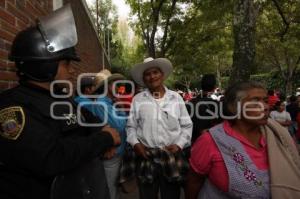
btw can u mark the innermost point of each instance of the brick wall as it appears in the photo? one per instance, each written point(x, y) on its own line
point(16, 15)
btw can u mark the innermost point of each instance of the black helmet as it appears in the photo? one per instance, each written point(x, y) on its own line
point(34, 55)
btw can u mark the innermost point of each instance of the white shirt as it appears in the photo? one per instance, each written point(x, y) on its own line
point(280, 116)
point(160, 101)
point(157, 126)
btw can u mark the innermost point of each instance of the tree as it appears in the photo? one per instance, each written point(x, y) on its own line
point(244, 28)
point(130, 49)
point(105, 16)
point(154, 19)
point(232, 37)
point(278, 39)
point(124, 48)
point(203, 41)
point(198, 37)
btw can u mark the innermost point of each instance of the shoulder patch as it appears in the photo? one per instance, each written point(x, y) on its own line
point(12, 121)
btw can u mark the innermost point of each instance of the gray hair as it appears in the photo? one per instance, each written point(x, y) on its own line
point(235, 93)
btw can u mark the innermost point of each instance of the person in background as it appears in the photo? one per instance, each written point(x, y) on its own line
point(206, 110)
point(188, 96)
point(159, 130)
point(280, 115)
point(272, 99)
point(116, 117)
point(85, 98)
point(44, 151)
point(246, 156)
point(87, 86)
point(217, 95)
point(293, 109)
point(104, 108)
point(124, 97)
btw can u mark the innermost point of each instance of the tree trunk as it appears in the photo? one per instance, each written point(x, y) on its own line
point(289, 87)
point(244, 22)
point(219, 74)
point(151, 50)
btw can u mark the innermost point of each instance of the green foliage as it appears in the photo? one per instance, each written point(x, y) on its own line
point(271, 80)
point(107, 15)
point(153, 22)
point(106, 21)
point(129, 52)
point(197, 36)
point(123, 48)
point(278, 40)
point(204, 41)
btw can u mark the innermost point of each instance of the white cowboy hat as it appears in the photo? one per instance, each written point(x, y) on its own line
point(138, 70)
point(106, 75)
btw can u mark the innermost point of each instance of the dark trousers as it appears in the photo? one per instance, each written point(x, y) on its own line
point(168, 190)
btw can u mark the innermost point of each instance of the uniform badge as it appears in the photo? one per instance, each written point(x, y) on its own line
point(12, 121)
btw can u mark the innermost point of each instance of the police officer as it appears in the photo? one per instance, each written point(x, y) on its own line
point(44, 152)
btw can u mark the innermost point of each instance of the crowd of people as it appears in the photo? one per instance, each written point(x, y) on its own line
point(56, 146)
point(285, 110)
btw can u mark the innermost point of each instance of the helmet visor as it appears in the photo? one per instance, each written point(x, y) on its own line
point(59, 29)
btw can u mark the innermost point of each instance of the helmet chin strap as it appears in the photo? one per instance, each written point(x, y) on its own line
point(30, 77)
point(37, 71)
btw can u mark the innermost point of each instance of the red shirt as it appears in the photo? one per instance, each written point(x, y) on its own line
point(126, 102)
point(272, 99)
point(206, 159)
point(188, 96)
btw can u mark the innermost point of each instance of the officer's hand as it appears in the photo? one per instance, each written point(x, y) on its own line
point(173, 148)
point(140, 150)
point(110, 153)
point(114, 134)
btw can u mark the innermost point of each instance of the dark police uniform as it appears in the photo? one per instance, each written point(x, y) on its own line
point(40, 155)
point(43, 157)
